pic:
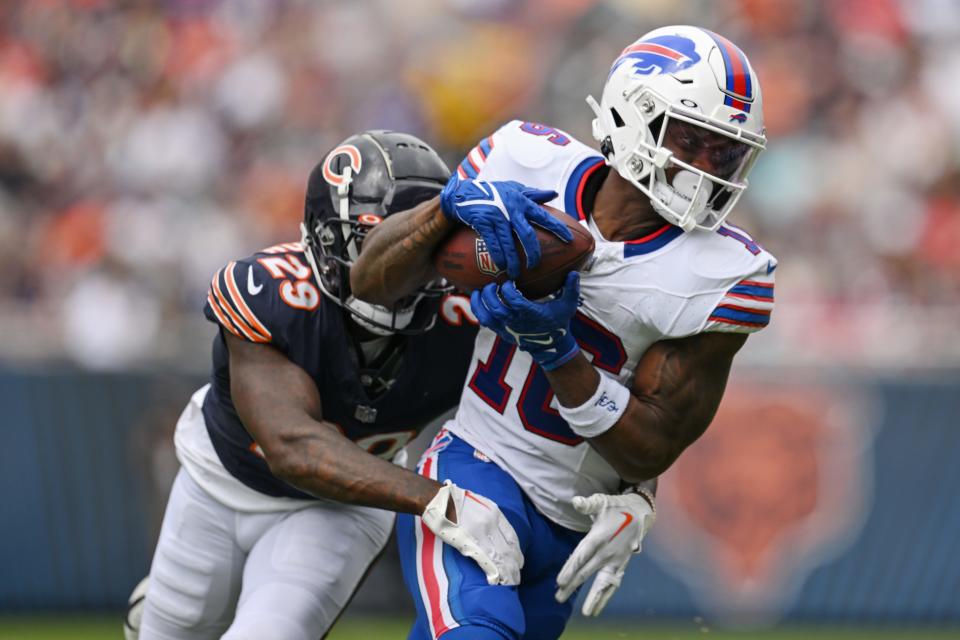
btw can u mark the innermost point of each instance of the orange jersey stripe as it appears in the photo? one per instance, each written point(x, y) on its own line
point(241, 304)
point(224, 320)
point(245, 329)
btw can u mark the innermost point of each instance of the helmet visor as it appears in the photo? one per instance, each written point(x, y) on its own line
point(704, 167)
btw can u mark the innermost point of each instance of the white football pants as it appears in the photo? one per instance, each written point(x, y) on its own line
point(218, 572)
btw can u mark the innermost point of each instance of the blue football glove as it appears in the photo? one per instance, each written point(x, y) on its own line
point(542, 329)
point(495, 209)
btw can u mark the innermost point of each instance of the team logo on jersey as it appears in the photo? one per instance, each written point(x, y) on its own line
point(738, 117)
point(777, 487)
point(485, 263)
point(663, 54)
point(356, 162)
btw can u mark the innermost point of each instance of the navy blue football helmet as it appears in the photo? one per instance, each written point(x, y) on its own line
point(364, 179)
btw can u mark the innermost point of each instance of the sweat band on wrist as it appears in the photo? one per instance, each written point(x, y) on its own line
point(600, 412)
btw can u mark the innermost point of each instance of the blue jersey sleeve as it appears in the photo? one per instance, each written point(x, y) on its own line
point(259, 299)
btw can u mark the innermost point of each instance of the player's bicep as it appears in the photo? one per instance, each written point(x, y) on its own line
point(269, 391)
point(683, 382)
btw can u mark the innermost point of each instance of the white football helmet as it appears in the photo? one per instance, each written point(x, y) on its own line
point(681, 76)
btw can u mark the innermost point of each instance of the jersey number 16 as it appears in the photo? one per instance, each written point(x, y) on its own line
point(533, 403)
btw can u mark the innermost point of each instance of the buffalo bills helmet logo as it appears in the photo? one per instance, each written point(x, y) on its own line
point(738, 117)
point(663, 54)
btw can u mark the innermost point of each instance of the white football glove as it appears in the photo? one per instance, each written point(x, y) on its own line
point(481, 532)
point(619, 524)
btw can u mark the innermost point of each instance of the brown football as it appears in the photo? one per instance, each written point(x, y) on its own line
point(464, 261)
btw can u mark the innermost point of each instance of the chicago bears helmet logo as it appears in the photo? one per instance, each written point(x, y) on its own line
point(663, 54)
point(356, 162)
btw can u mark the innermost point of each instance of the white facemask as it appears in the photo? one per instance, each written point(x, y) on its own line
point(678, 196)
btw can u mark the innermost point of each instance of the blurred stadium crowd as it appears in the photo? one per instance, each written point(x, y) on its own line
point(145, 143)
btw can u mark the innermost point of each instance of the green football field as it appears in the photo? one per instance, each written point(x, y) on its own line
point(108, 627)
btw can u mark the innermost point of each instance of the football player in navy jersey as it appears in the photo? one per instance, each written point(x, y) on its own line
point(292, 454)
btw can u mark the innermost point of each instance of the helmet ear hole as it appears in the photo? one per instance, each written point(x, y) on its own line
point(617, 120)
point(655, 125)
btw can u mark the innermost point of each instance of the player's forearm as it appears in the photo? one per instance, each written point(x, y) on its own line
point(395, 258)
point(676, 391)
point(574, 382)
point(635, 446)
point(319, 461)
point(280, 407)
point(639, 446)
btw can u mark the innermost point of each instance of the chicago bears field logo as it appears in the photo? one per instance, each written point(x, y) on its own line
point(779, 485)
point(663, 54)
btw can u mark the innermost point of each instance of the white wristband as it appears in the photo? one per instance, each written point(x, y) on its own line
point(600, 412)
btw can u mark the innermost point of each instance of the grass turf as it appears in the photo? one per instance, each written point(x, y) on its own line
point(58, 627)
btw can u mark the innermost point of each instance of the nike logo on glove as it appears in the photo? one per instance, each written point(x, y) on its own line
point(627, 519)
point(494, 200)
point(252, 288)
point(467, 494)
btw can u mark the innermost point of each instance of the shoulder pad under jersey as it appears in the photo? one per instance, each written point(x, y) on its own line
point(747, 302)
point(710, 281)
point(743, 273)
point(531, 153)
point(258, 298)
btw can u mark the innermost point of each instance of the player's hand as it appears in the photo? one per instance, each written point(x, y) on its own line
point(480, 531)
point(495, 210)
point(542, 329)
point(619, 524)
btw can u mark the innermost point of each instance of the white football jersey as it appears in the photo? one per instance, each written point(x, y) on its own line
point(669, 284)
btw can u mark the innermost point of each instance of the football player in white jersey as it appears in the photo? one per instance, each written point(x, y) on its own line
point(573, 402)
point(286, 492)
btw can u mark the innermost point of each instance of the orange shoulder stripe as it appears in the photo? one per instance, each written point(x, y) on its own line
point(241, 304)
point(245, 329)
point(224, 320)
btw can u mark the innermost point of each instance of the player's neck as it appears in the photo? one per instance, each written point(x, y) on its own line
point(621, 212)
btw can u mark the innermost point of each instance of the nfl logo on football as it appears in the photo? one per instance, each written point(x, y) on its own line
point(484, 262)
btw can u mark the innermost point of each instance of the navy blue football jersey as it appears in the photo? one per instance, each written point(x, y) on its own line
point(272, 298)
